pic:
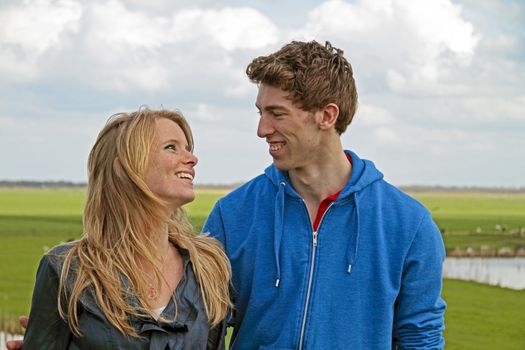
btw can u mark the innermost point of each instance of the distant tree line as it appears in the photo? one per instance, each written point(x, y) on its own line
point(463, 189)
point(42, 184)
point(410, 188)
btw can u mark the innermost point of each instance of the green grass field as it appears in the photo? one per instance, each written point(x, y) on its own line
point(483, 317)
point(31, 221)
point(460, 215)
point(478, 317)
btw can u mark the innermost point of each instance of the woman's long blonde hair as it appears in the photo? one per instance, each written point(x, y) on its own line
point(120, 216)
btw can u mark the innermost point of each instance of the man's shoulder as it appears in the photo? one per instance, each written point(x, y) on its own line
point(239, 206)
point(400, 212)
point(395, 197)
point(255, 187)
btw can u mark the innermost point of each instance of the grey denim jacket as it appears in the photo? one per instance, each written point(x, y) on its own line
point(47, 330)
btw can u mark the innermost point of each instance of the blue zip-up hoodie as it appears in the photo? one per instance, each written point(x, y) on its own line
point(369, 278)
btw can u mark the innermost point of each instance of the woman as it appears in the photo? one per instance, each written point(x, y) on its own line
point(138, 278)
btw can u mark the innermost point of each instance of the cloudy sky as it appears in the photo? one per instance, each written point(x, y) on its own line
point(441, 83)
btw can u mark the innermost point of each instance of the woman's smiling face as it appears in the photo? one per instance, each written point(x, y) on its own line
point(171, 172)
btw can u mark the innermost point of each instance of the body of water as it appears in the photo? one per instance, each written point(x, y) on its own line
point(502, 272)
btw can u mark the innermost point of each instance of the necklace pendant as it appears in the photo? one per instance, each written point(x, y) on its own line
point(152, 292)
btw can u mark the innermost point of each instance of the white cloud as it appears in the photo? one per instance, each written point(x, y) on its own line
point(150, 77)
point(445, 142)
point(503, 43)
point(112, 24)
point(420, 41)
point(154, 52)
point(439, 24)
point(339, 17)
point(48, 148)
point(230, 28)
point(7, 123)
point(207, 113)
point(12, 67)
point(36, 26)
point(30, 29)
point(500, 110)
point(123, 49)
point(372, 115)
point(440, 82)
point(386, 135)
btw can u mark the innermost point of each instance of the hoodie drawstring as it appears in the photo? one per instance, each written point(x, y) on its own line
point(353, 246)
point(278, 230)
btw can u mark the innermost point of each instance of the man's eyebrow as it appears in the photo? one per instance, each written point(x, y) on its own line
point(272, 107)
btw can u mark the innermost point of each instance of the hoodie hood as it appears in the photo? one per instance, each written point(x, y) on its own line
point(364, 173)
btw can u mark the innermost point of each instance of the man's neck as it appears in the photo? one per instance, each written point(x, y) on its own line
point(328, 175)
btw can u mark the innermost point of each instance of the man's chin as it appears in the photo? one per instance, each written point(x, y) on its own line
point(281, 165)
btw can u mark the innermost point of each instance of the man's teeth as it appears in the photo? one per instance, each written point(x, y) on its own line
point(184, 176)
point(275, 147)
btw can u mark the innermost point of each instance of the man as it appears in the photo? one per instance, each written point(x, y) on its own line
point(325, 254)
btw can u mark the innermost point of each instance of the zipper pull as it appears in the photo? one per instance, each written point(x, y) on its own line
point(315, 238)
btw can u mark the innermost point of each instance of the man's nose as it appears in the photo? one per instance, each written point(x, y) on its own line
point(265, 127)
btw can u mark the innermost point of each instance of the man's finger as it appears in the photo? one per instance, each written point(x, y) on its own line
point(14, 344)
point(18, 344)
point(23, 321)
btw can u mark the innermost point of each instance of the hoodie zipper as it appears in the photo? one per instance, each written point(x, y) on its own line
point(310, 278)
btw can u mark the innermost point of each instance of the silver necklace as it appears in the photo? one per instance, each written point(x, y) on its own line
point(152, 293)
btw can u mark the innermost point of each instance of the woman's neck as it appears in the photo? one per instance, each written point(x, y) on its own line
point(161, 241)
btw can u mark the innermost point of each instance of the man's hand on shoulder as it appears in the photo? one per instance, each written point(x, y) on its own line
point(18, 344)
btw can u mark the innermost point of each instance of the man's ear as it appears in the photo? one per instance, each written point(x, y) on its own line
point(117, 167)
point(329, 115)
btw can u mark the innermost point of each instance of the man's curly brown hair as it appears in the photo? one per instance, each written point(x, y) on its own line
point(313, 74)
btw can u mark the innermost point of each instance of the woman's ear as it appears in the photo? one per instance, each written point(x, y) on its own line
point(329, 115)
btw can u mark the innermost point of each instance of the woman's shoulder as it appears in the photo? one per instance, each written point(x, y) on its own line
point(56, 255)
point(61, 249)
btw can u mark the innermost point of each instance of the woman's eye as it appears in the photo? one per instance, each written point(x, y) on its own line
point(171, 147)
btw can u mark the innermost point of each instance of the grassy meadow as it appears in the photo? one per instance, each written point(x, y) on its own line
point(31, 221)
point(478, 316)
point(476, 219)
